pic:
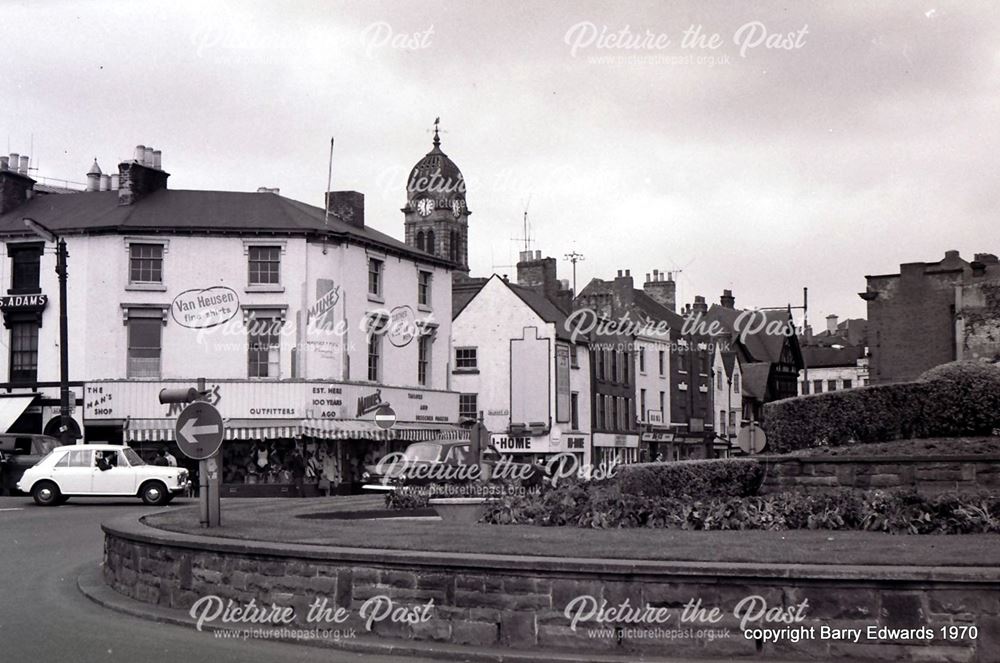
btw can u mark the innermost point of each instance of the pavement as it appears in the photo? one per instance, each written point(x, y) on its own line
point(45, 617)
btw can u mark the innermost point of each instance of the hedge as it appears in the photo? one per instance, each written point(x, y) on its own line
point(730, 477)
point(875, 510)
point(960, 398)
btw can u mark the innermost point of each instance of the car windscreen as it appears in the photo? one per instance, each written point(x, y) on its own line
point(133, 458)
point(423, 451)
point(41, 446)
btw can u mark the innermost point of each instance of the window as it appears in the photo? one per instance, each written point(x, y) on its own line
point(599, 412)
point(145, 263)
point(424, 288)
point(429, 245)
point(376, 326)
point(613, 422)
point(663, 363)
point(25, 260)
point(718, 380)
point(144, 343)
point(374, 277)
point(24, 351)
point(722, 421)
point(626, 363)
point(263, 335)
point(420, 240)
point(453, 247)
point(736, 383)
point(468, 406)
point(76, 458)
point(599, 363)
point(574, 410)
point(424, 359)
point(264, 265)
point(642, 360)
point(615, 376)
point(805, 387)
point(817, 386)
point(848, 384)
point(732, 421)
point(831, 385)
point(466, 359)
point(663, 414)
point(642, 403)
point(574, 360)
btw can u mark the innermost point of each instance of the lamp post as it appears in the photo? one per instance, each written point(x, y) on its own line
point(65, 434)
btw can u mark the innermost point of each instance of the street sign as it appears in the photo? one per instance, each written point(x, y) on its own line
point(385, 417)
point(199, 430)
point(751, 438)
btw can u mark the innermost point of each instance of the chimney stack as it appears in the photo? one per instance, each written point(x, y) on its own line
point(831, 324)
point(699, 306)
point(662, 291)
point(15, 187)
point(348, 206)
point(3, 162)
point(539, 274)
point(94, 177)
point(138, 178)
point(727, 300)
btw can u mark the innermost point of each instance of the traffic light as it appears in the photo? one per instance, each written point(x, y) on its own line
point(181, 395)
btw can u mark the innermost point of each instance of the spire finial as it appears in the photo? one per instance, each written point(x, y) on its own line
point(437, 138)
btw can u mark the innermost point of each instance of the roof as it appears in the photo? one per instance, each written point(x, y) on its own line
point(729, 361)
point(462, 293)
point(656, 311)
point(817, 356)
point(544, 307)
point(758, 343)
point(436, 176)
point(172, 211)
point(755, 376)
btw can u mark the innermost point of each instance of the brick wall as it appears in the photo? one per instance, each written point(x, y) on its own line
point(926, 474)
point(512, 602)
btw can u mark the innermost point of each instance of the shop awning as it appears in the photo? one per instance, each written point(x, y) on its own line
point(149, 430)
point(419, 432)
point(337, 429)
point(11, 408)
point(262, 429)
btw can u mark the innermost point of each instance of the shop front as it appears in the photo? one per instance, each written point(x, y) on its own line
point(282, 438)
point(615, 449)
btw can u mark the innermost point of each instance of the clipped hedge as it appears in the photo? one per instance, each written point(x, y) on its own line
point(960, 398)
point(729, 477)
point(894, 512)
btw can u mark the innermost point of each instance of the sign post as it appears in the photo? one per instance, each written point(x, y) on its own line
point(200, 432)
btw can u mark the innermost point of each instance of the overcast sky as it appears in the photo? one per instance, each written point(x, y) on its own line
point(871, 141)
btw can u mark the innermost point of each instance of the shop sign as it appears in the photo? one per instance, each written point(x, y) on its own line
point(522, 443)
point(616, 440)
point(201, 309)
point(657, 436)
point(575, 443)
point(23, 302)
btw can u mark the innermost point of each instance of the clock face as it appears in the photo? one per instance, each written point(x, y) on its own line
point(458, 207)
point(425, 206)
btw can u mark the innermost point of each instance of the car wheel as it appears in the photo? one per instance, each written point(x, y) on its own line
point(154, 493)
point(46, 493)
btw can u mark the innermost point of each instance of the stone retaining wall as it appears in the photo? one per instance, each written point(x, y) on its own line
point(924, 473)
point(512, 602)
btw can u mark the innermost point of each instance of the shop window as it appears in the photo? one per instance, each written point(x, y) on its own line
point(24, 351)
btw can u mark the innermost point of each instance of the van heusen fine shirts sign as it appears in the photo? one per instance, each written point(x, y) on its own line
point(242, 399)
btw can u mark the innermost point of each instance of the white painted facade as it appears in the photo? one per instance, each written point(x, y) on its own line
point(727, 398)
point(489, 323)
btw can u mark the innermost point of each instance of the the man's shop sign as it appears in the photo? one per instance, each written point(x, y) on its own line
point(200, 309)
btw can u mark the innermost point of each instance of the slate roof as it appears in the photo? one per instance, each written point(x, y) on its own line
point(188, 211)
point(817, 356)
point(755, 376)
point(760, 345)
point(542, 306)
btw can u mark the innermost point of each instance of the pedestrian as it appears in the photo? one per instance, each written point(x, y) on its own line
point(297, 467)
point(161, 458)
point(171, 461)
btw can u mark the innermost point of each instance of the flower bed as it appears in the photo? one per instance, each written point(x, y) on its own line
point(897, 512)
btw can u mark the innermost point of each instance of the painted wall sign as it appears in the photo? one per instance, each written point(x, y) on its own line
point(562, 383)
point(402, 327)
point(200, 309)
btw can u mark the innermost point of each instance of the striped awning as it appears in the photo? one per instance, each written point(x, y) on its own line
point(162, 430)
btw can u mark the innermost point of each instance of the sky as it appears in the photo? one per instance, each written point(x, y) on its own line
point(782, 145)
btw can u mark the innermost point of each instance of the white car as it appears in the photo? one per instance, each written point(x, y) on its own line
point(100, 470)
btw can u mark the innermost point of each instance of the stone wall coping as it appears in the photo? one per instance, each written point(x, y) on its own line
point(132, 528)
point(878, 460)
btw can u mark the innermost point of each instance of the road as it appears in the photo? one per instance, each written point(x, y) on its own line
point(44, 617)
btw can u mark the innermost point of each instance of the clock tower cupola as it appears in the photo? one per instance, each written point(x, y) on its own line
point(436, 216)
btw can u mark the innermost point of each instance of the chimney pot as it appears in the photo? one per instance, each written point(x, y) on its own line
point(3, 163)
point(148, 157)
point(157, 159)
point(15, 161)
point(25, 164)
point(140, 153)
point(105, 182)
point(114, 181)
point(619, 273)
point(656, 274)
point(647, 277)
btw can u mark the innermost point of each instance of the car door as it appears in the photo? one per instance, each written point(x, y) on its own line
point(73, 472)
point(119, 479)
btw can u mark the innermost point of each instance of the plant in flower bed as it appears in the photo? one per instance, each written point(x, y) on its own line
point(723, 477)
point(896, 512)
point(960, 398)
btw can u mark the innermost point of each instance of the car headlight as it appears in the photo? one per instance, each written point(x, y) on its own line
point(366, 476)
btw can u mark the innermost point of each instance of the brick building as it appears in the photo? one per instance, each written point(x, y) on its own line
point(932, 313)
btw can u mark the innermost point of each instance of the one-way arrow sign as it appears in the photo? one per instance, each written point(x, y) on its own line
point(199, 430)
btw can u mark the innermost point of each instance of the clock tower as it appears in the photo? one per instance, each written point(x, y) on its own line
point(436, 217)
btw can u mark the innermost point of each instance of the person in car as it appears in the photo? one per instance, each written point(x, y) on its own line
point(103, 463)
